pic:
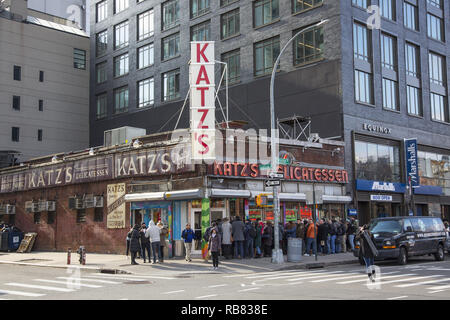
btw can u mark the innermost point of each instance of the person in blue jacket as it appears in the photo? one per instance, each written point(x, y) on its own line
point(188, 235)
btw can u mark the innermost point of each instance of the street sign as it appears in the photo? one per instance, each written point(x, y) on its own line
point(273, 183)
point(276, 175)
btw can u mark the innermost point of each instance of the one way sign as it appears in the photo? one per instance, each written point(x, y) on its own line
point(273, 183)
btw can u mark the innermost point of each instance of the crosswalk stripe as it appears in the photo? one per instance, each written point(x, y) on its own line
point(388, 277)
point(330, 274)
point(286, 274)
point(438, 269)
point(349, 277)
point(91, 280)
point(208, 296)
point(439, 287)
point(38, 287)
point(75, 283)
point(304, 274)
point(22, 293)
point(250, 289)
point(123, 278)
point(113, 276)
point(262, 273)
point(422, 283)
point(408, 279)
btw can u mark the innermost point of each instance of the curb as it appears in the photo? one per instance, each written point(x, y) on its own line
point(98, 269)
point(317, 265)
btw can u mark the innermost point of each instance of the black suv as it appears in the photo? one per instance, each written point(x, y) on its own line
point(403, 237)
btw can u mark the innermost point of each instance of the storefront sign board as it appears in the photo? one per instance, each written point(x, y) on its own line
point(116, 206)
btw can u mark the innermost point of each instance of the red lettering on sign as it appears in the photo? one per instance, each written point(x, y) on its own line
point(203, 143)
point(201, 52)
point(202, 119)
point(298, 173)
point(255, 170)
point(311, 173)
point(202, 76)
point(244, 170)
point(235, 165)
point(317, 174)
point(331, 175)
point(338, 175)
point(325, 174)
point(202, 89)
point(345, 176)
point(218, 169)
point(227, 169)
point(305, 174)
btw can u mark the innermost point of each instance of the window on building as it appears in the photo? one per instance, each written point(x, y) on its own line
point(377, 162)
point(363, 87)
point(121, 65)
point(265, 54)
point(40, 134)
point(101, 10)
point(101, 43)
point(412, 58)
point(121, 35)
point(387, 9)
point(170, 14)
point(146, 96)
point(201, 31)
point(435, 27)
point(264, 12)
point(436, 68)
point(41, 105)
point(227, 2)
point(230, 25)
point(361, 3)
point(233, 61)
point(390, 94)
point(81, 215)
point(120, 5)
point(121, 100)
point(41, 76)
point(171, 46)
point(303, 5)
point(37, 218)
point(410, 16)
point(145, 56)
point(51, 215)
point(433, 170)
point(388, 52)
point(102, 106)
point(79, 59)
point(199, 7)
point(17, 73)
point(439, 107)
point(102, 72)
point(361, 42)
point(414, 100)
point(171, 85)
point(435, 3)
point(16, 103)
point(146, 24)
point(308, 46)
point(15, 134)
point(98, 214)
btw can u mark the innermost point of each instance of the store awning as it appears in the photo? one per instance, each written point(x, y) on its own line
point(184, 194)
point(147, 196)
point(292, 196)
point(337, 199)
point(229, 193)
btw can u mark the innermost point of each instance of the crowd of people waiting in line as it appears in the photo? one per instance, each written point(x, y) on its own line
point(247, 239)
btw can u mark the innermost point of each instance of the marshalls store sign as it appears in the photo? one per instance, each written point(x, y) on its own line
point(202, 99)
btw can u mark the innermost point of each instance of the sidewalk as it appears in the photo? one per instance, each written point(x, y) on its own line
point(113, 263)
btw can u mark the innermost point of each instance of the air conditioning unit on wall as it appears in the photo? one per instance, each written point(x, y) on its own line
point(89, 201)
point(28, 206)
point(10, 209)
point(35, 207)
point(79, 203)
point(51, 206)
point(98, 202)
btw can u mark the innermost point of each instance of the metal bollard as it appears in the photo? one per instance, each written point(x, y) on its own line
point(69, 253)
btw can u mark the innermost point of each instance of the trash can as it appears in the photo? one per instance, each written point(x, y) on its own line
point(14, 240)
point(294, 250)
point(4, 241)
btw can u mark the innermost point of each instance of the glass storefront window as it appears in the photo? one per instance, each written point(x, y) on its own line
point(377, 162)
point(434, 170)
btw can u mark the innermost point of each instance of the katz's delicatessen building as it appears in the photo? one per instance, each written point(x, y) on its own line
point(93, 198)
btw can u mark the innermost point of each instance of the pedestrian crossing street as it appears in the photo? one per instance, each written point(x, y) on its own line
point(432, 279)
point(39, 287)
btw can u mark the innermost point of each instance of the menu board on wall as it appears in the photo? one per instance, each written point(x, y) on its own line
point(254, 214)
point(116, 206)
point(291, 215)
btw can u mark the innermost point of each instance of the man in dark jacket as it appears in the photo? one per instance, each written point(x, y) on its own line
point(300, 233)
point(322, 234)
point(249, 234)
point(134, 243)
point(188, 235)
point(368, 249)
point(268, 239)
point(238, 228)
point(145, 242)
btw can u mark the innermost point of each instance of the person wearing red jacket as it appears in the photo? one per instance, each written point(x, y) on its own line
point(311, 234)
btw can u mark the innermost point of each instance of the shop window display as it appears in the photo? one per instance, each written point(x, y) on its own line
point(434, 170)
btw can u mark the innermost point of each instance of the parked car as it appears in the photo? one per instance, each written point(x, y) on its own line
point(402, 237)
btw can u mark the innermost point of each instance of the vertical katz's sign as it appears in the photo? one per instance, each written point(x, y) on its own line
point(116, 206)
point(202, 99)
point(412, 162)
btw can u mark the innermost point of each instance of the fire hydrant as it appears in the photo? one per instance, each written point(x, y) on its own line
point(82, 252)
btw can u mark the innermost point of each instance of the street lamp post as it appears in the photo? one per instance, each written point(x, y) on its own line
point(277, 255)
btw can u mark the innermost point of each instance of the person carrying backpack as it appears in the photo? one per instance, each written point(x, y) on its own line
point(333, 234)
point(188, 235)
point(250, 235)
point(340, 232)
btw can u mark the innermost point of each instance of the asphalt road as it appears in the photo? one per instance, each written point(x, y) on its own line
point(423, 279)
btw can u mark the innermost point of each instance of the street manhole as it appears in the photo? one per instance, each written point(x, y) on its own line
point(138, 282)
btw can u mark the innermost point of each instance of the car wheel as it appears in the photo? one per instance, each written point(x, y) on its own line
point(403, 257)
point(439, 255)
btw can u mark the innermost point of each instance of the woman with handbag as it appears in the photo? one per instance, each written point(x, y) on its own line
point(214, 247)
point(368, 250)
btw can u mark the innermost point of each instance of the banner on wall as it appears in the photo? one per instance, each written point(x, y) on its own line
point(412, 162)
point(116, 206)
point(205, 225)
